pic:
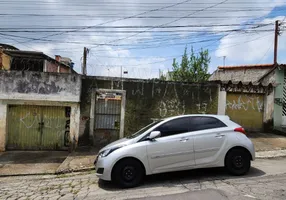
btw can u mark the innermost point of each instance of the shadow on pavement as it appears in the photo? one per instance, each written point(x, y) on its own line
point(184, 176)
point(31, 157)
point(13, 163)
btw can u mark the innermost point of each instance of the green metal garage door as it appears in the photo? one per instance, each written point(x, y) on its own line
point(38, 127)
point(246, 110)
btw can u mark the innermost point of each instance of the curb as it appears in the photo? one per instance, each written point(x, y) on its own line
point(36, 174)
point(270, 154)
point(55, 173)
point(66, 171)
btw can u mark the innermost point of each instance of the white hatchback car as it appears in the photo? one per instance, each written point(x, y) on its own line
point(174, 144)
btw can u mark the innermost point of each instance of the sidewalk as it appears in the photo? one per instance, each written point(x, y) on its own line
point(14, 163)
point(81, 160)
point(268, 145)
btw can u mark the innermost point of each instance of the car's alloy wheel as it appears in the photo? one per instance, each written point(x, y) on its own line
point(237, 162)
point(128, 173)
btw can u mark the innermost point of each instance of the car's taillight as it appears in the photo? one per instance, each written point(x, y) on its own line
point(240, 129)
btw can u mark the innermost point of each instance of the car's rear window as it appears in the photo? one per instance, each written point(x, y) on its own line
point(203, 123)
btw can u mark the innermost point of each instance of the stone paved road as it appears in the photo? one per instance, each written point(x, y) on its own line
point(266, 180)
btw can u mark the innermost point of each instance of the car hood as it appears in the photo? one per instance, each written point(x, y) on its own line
point(117, 143)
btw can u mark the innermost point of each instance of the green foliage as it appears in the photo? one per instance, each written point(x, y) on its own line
point(193, 68)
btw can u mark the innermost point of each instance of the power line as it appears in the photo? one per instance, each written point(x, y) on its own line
point(265, 53)
point(137, 27)
point(169, 22)
point(197, 50)
point(120, 19)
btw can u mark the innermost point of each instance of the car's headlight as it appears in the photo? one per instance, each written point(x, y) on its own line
point(108, 151)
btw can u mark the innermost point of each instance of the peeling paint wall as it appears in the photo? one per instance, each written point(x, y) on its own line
point(3, 125)
point(147, 99)
point(6, 61)
point(40, 86)
point(74, 125)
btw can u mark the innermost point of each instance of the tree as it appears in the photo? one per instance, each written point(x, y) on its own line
point(193, 68)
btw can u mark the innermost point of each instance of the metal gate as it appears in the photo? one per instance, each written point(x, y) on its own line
point(107, 117)
point(38, 127)
point(246, 109)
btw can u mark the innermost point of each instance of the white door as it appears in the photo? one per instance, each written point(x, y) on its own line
point(209, 139)
point(174, 150)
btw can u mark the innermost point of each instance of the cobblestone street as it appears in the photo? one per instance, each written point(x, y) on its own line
point(266, 180)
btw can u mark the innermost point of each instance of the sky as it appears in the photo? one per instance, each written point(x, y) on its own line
point(144, 36)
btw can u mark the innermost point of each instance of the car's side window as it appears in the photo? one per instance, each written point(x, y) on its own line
point(204, 123)
point(175, 126)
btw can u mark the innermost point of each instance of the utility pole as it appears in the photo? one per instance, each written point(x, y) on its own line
point(276, 41)
point(121, 73)
point(224, 60)
point(84, 72)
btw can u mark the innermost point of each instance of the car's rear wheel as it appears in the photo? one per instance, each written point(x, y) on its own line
point(128, 173)
point(237, 162)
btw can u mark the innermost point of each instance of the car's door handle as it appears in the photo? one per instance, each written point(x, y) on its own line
point(219, 136)
point(184, 139)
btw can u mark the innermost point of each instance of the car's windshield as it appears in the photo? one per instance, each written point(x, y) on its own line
point(144, 129)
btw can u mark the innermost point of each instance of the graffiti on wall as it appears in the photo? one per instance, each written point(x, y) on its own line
point(202, 108)
point(245, 102)
point(30, 123)
point(171, 108)
point(139, 89)
point(24, 86)
point(170, 104)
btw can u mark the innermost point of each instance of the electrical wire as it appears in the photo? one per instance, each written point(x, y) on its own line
point(120, 19)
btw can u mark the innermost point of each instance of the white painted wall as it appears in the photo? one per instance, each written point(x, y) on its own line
point(221, 102)
point(268, 107)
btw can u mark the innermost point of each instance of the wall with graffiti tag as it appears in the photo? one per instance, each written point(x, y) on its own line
point(149, 99)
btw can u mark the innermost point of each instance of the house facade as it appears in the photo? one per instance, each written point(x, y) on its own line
point(39, 101)
point(39, 111)
point(247, 94)
point(14, 59)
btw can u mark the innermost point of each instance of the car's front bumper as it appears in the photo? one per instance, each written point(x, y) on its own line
point(103, 168)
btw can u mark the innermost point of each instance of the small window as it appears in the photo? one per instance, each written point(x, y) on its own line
point(204, 123)
point(175, 126)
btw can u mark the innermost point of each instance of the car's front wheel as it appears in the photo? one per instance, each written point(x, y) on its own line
point(237, 162)
point(128, 173)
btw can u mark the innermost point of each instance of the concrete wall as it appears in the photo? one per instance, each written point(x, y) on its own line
point(40, 86)
point(3, 125)
point(150, 99)
point(221, 102)
point(268, 111)
point(278, 98)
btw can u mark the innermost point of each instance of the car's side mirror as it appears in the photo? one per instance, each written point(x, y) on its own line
point(154, 135)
